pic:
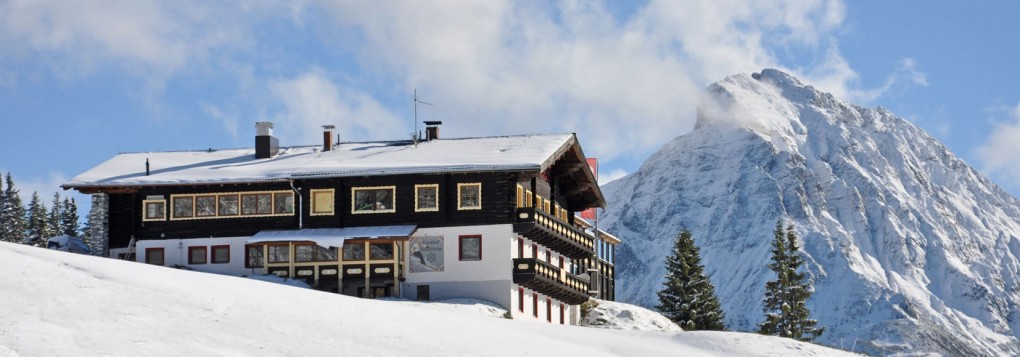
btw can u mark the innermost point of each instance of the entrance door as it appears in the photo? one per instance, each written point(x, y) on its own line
point(423, 293)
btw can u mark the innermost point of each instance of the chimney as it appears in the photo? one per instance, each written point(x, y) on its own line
point(266, 146)
point(327, 137)
point(432, 130)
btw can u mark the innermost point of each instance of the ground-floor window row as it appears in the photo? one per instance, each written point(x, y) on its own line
point(532, 303)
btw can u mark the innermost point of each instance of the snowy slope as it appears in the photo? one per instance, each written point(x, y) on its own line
point(912, 249)
point(62, 304)
point(621, 316)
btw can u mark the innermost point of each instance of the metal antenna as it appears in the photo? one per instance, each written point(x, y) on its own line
point(416, 101)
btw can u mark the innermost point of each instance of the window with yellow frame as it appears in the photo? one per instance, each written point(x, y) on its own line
point(469, 196)
point(426, 198)
point(322, 202)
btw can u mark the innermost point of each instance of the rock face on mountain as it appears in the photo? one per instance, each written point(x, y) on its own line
point(910, 249)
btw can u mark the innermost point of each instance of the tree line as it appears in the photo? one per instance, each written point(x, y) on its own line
point(34, 223)
point(688, 297)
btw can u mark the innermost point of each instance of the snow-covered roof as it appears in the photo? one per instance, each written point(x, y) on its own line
point(499, 153)
point(333, 237)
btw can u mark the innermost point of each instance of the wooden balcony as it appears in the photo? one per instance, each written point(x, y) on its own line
point(550, 280)
point(551, 232)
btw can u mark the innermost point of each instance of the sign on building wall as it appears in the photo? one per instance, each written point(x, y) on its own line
point(426, 254)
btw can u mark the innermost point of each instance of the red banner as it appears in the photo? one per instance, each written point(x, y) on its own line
point(593, 163)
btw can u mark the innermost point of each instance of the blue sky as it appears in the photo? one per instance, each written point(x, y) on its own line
point(82, 81)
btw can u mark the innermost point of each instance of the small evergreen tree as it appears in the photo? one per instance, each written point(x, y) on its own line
point(12, 214)
point(53, 221)
point(786, 314)
point(69, 218)
point(688, 297)
point(38, 219)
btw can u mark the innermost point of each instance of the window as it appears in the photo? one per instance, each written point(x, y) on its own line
point(548, 310)
point(254, 257)
point(548, 257)
point(534, 304)
point(279, 253)
point(354, 251)
point(154, 256)
point(220, 254)
point(283, 203)
point(379, 251)
point(520, 247)
point(471, 247)
point(252, 204)
point(154, 210)
point(228, 205)
point(231, 205)
point(183, 207)
point(520, 299)
point(314, 253)
point(197, 255)
point(561, 314)
point(426, 198)
point(373, 199)
point(469, 196)
point(205, 206)
point(322, 202)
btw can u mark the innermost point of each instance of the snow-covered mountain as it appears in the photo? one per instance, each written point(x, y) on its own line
point(911, 249)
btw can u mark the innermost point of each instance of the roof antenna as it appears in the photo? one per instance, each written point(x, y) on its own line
point(416, 101)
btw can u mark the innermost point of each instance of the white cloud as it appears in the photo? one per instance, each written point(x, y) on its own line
point(611, 176)
point(998, 154)
point(312, 100)
point(625, 86)
point(228, 121)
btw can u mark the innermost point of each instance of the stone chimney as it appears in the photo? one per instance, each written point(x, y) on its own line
point(266, 146)
point(327, 137)
point(432, 130)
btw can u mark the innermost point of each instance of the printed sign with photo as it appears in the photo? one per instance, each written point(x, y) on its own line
point(426, 254)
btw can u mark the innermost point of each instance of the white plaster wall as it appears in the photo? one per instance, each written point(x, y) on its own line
point(176, 253)
point(484, 279)
point(572, 313)
point(528, 244)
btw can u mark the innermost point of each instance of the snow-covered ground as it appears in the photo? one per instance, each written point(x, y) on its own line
point(61, 304)
point(620, 316)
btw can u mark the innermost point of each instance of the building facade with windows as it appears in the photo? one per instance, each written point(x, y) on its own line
point(489, 218)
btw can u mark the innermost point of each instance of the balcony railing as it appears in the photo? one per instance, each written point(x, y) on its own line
point(550, 280)
point(551, 232)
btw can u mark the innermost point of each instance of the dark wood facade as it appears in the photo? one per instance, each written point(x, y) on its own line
point(497, 196)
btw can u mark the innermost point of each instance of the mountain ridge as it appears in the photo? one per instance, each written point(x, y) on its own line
point(911, 249)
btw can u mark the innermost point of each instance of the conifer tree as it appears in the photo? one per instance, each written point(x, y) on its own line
point(12, 214)
point(38, 219)
point(786, 314)
point(53, 220)
point(688, 297)
point(69, 218)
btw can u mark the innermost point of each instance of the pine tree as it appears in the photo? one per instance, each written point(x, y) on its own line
point(53, 220)
point(38, 219)
point(786, 314)
point(69, 218)
point(12, 214)
point(688, 297)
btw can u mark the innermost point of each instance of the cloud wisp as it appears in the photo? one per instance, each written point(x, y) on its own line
point(998, 153)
